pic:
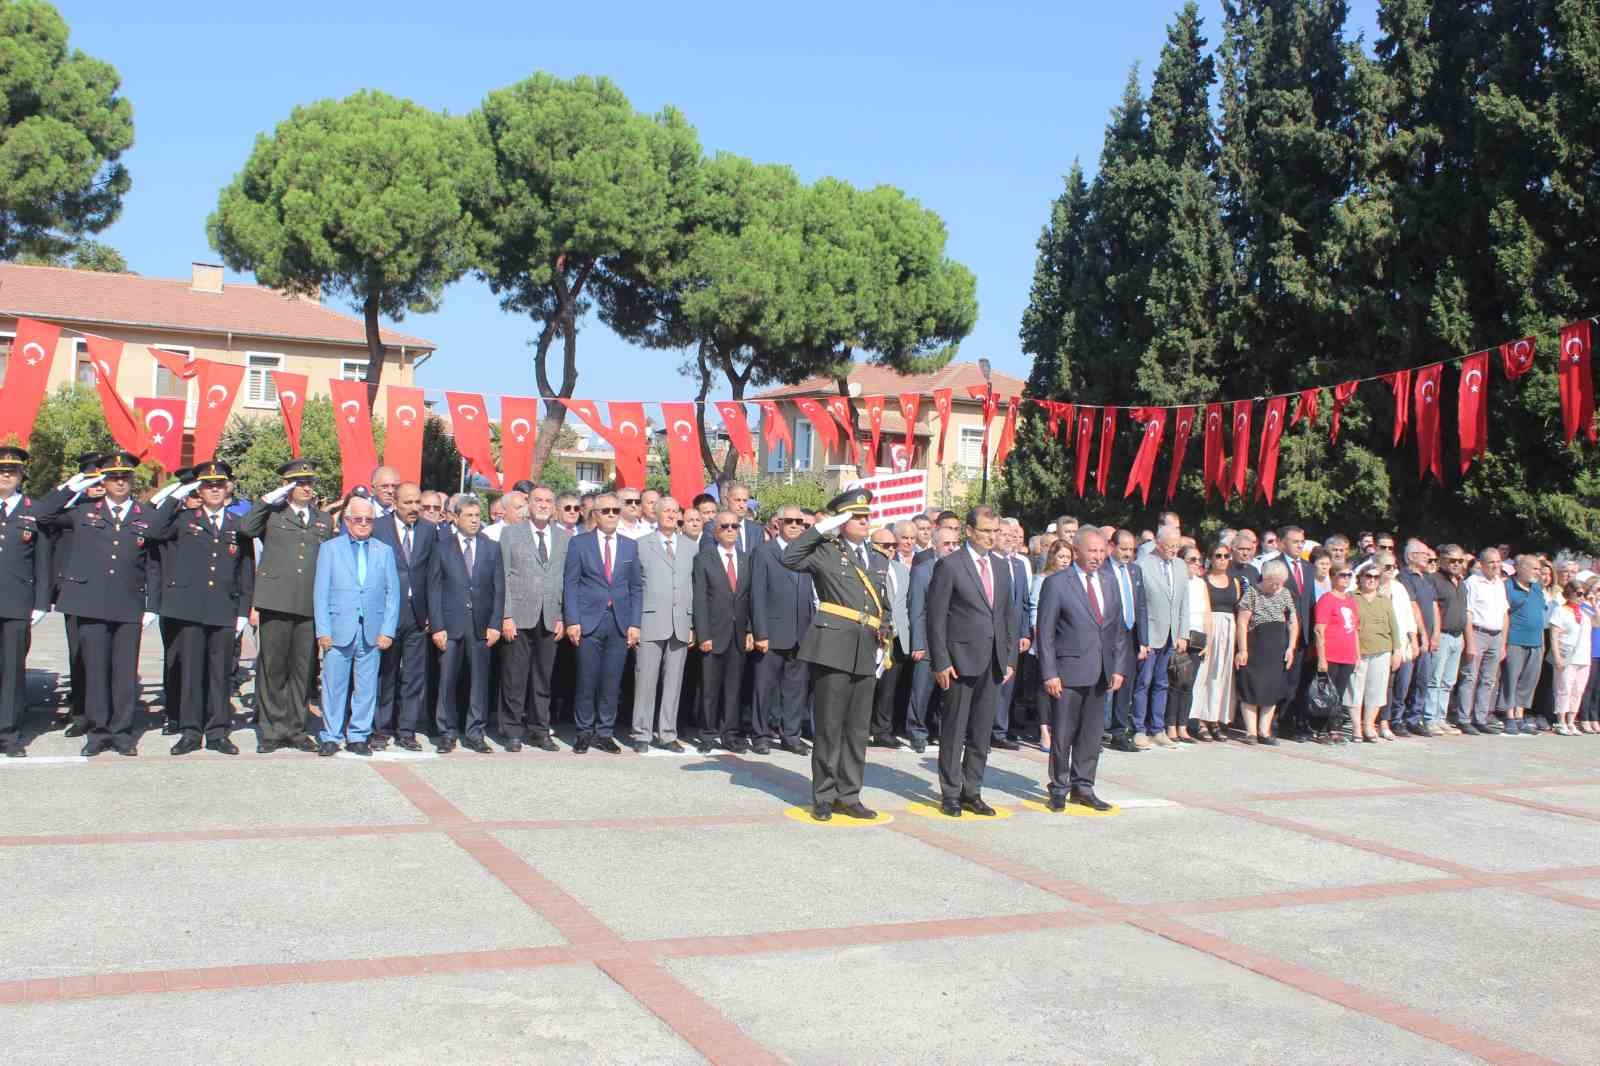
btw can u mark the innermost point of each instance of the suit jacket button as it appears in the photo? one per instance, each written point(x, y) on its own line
point(211, 584)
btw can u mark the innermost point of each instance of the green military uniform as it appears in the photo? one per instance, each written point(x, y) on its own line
point(850, 630)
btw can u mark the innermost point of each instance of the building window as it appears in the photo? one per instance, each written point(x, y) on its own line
point(595, 472)
point(353, 370)
point(777, 457)
point(5, 354)
point(83, 372)
point(802, 444)
point(167, 383)
point(970, 455)
point(258, 388)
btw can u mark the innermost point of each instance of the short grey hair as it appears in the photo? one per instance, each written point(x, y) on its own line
point(464, 499)
point(1275, 566)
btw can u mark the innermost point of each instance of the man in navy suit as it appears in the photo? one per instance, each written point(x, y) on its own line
point(1130, 594)
point(1010, 547)
point(722, 625)
point(403, 671)
point(603, 598)
point(923, 693)
point(1083, 646)
point(736, 498)
point(466, 602)
point(781, 605)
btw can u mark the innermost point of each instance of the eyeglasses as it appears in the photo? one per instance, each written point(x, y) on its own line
point(883, 544)
point(1368, 575)
point(570, 507)
point(1390, 569)
point(1389, 547)
point(1222, 555)
point(727, 525)
point(608, 510)
point(1343, 574)
point(631, 500)
point(793, 521)
point(431, 507)
point(354, 521)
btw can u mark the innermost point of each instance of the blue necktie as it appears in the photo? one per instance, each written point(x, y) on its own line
point(361, 563)
point(1127, 596)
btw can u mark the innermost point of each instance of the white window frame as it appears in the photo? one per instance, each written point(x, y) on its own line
point(777, 457)
point(254, 373)
point(80, 349)
point(805, 436)
point(352, 370)
point(593, 466)
point(10, 336)
point(971, 438)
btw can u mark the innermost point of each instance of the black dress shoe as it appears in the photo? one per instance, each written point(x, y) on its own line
point(358, 747)
point(75, 730)
point(950, 808)
point(1124, 744)
point(224, 745)
point(410, 743)
point(977, 806)
point(609, 745)
point(821, 812)
point(1399, 729)
point(170, 728)
point(1058, 803)
point(378, 742)
point(14, 750)
point(581, 746)
point(885, 740)
point(513, 744)
point(919, 746)
point(546, 744)
point(1089, 799)
point(761, 746)
point(445, 745)
point(476, 744)
point(641, 747)
point(327, 748)
point(676, 747)
point(302, 743)
point(1470, 730)
point(1005, 744)
point(855, 810)
point(737, 745)
point(125, 748)
point(267, 747)
point(91, 748)
point(796, 747)
point(185, 745)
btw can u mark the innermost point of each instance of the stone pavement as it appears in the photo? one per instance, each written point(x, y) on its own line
point(1421, 901)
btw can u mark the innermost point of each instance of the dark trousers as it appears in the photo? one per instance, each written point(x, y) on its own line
point(721, 673)
point(1075, 725)
point(172, 669)
point(924, 695)
point(602, 653)
point(1421, 675)
point(110, 653)
point(205, 655)
point(15, 635)
point(402, 681)
point(781, 681)
point(471, 654)
point(839, 752)
point(1119, 704)
point(76, 699)
point(285, 657)
point(527, 666)
point(1003, 697)
point(966, 722)
point(1150, 692)
point(886, 697)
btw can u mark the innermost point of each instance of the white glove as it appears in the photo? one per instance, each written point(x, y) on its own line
point(833, 522)
point(149, 616)
point(184, 491)
point(79, 482)
point(166, 490)
point(36, 617)
point(279, 494)
point(238, 626)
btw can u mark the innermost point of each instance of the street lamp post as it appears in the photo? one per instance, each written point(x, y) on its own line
point(984, 369)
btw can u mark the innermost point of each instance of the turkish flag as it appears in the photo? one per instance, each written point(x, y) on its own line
point(774, 427)
point(291, 390)
point(219, 387)
point(1215, 468)
point(1342, 395)
point(821, 423)
point(352, 420)
point(874, 406)
point(1516, 357)
point(630, 442)
point(1068, 427)
point(126, 425)
point(163, 424)
point(1008, 432)
point(1180, 445)
point(1086, 419)
point(991, 403)
point(1472, 407)
point(1267, 458)
point(27, 374)
point(402, 437)
point(910, 402)
point(589, 414)
point(1576, 381)
point(1108, 437)
point(1241, 446)
point(683, 451)
point(1430, 452)
point(1305, 406)
point(1053, 409)
point(519, 432)
point(941, 405)
point(738, 427)
point(1400, 385)
point(1144, 461)
point(839, 407)
point(182, 367)
point(470, 422)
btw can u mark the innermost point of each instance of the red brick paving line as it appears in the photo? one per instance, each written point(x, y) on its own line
point(1572, 899)
point(694, 1019)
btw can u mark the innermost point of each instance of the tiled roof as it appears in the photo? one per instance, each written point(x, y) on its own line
point(89, 296)
point(882, 381)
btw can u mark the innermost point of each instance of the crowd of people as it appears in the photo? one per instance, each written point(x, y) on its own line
point(396, 613)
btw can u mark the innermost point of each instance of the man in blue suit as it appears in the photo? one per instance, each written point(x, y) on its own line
point(1011, 546)
point(781, 606)
point(466, 603)
point(403, 670)
point(357, 600)
point(603, 598)
point(1135, 618)
point(923, 692)
point(1083, 645)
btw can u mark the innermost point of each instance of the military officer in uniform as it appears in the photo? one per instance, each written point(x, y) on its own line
point(291, 530)
point(60, 552)
point(104, 584)
point(161, 565)
point(24, 593)
point(206, 592)
point(846, 644)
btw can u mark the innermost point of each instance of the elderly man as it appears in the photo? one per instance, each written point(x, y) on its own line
point(403, 667)
point(513, 509)
point(1524, 630)
point(569, 513)
point(886, 698)
point(433, 507)
point(1166, 629)
point(632, 524)
point(649, 500)
point(602, 599)
point(1487, 609)
point(1407, 712)
point(923, 692)
point(781, 606)
point(1243, 568)
point(385, 480)
point(722, 626)
point(736, 499)
point(1132, 606)
point(666, 627)
point(357, 594)
point(534, 555)
point(466, 606)
point(1009, 548)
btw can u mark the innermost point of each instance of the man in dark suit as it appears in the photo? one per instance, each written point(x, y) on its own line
point(1130, 595)
point(466, 603)
point(897, 581)
point(924, 693)
point(403, 667)
point(972, 641)
point(780, 613)
point(160, 563)
point(845, 646)
point(736, 498)
point(1082, 654)
point(24, 593)
point(1011, 549)
point(722, 628)
point(603, 598)
point(1301, 585)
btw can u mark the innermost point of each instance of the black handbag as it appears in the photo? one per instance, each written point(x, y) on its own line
point(1181, 668)
point(1322, 698)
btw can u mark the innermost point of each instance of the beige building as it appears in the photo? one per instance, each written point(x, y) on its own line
point(963, 450)
point(258, 328)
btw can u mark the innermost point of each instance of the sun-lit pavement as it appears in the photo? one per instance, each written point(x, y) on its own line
point(1421, 901)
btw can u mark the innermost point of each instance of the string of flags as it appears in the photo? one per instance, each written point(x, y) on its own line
point(152, 427)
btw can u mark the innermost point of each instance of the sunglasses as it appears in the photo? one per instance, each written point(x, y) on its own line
point(1390, 569)
point(1368, 575)
point(432, 507)
point(1222, 555)
point(570, 507)
point(793, 521)
point(630, 500)
point(1343, 574)
point(727, 525)
point(608, 510)
point(883, 544)
point(1389, 547)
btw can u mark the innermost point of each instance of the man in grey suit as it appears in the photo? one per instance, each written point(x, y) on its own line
point(781, 605)
point(898, 578)
point(666, 628)
point(1166, 597)
point(534, 555)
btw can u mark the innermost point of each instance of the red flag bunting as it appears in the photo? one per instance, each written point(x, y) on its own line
point(1144, 462)
point(402, 436)
point(1215, 468)
point(874, 406)
point(352, 420)
point(1516, 357)
point(774, 427)
point(27, 373)
point(910, 403)
point(291, 391)
point(1108, 438)
point(733, 420)
point(1472, 408)
point(182, 367)
point(839, 407)
point(1342, 395)
point(1180, 445)
point(1067, 424)
point(219, 387)
point(1400, 386)
point(1430, 451)
point(683, 450)
point(632, 444)
point(589, 414)
point(1240, 469)
point(1086, 420)
point(469, 420)
point(519, 434)
point(1008, 432)
point(1576, 381)
point(941, 404)
point(821, 424)
point(163, 424)
point(1305, 406)
point(1267, 460)
point(1053, 409)
point(127, 427)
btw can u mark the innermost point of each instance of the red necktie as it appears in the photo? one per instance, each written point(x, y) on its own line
point(988, 581)
point(608, 560)
point(1094, 600)
point(733, 578)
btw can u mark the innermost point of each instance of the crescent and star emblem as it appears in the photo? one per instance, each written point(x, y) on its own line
point(105, 369)
point(1427, 392)
point(1213, 420)
point(405, 419)
point(223, 389)
point(521, 434)
point(1272, 420)
point(1574, 348)
point(1522, 353)
point(353, 406)
point(468, 411)
point(1238, 423)
point(28, 350)
point(630, 428)
point(684, 433)
point(1473, 378)
point(290, 397)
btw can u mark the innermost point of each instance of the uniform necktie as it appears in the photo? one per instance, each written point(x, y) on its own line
point(733, 575)
point(544, 553)
point(467, 549)
point(988, 579)
point(1094, 598)
point(861, 556)
point(216, 524)
point(607, 559)
point(298, 513)
point(361, 562)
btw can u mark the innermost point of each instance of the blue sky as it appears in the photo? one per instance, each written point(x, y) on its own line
point(975, 109)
